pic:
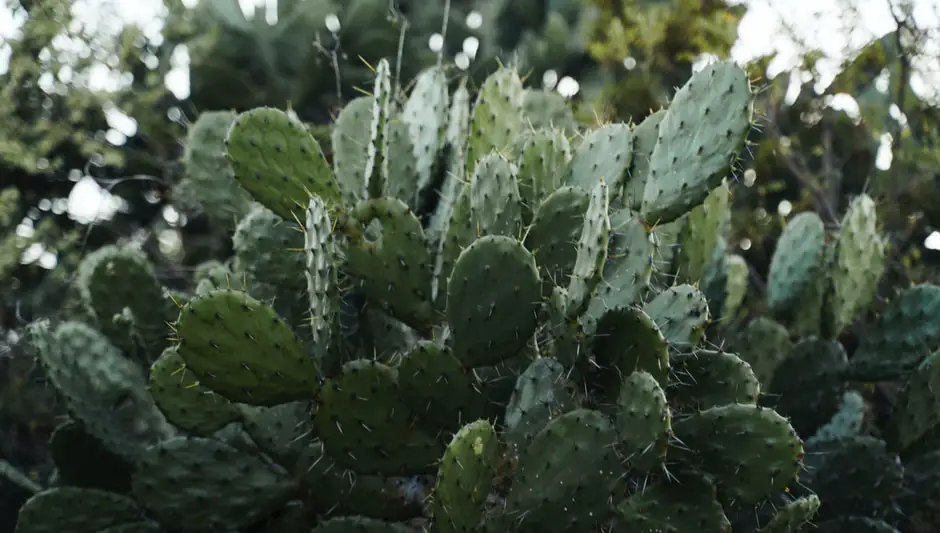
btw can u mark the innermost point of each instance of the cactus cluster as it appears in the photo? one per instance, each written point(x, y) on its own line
point(469, 332)
point(868, 470)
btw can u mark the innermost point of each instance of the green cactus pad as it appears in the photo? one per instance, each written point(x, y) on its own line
point(700, 234)
point(855, 475)
point(101, 387)
point(376, 171)
point(808, 384)
point(545, 155)
point(645, 135)
point(628, 270)
point(366, 426)
point(592, 251)
point(268, 255)
point(548, 110)
point(75, 510)
point(459, 235)
point(907, 331)
point(279, 162)
point(763, 343)
point(497, 116)
point(847, 422)
point(402, 173)
point(359, 524)
point(750, 451)
point(644, 421)
point(82, 460)
point(240, 349)
point(681, 312)
point(627, 340)
point(322, 290)
point(281, 430)
point(604, 155)
point(464, 478)
point(437, 387)
point(553, 235)
point(455, 145)
point(567, 336)
point(737, 277)
point(495, 204)
point(706, 124)
point(395, 269)
point(187, 404)
point(567, 473)
point(121, 281)
point(859, 262)
point(493, 300)
point(796, 260)
point(208, 183)
point(425, 114)
point(689, 505)
point(340, 491)
point(707, 378)
point(916, 421)
point(350, 142)
point(539, 397)
point(205, 485)
point(855, 524)
point(793, 517)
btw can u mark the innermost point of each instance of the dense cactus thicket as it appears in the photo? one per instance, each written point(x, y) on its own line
point(477, 317)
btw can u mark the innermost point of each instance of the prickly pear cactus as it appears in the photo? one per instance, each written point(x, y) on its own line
point(483, 347)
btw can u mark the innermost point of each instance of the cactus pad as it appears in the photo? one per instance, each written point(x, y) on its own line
point(495, 204)
point(239, 348)
point(497, 116)
point(566, 474)
point(75, 510)
point(539, 397)
point(627, 340)
point(907, 331)
point(553, 235)
point(643, 421)
point(645, 135)
point(794, 516)
point(707, 378)
point(796, 260)
point(859, 262)
point(395, 269)
point(437, 387)
point(365, 425)
point(279, 162)
point(688, 505)
point(592, 251)
point(350, 142)
point(763, 343)
point(493, 300)
point(205, 485)
point(628, 270)
point(187, 404)
point(425, 114)
point(681, 312)
point(750, 451)
point(706, 124)
point(603, 155)
point(545, 154)
point(464, 478)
